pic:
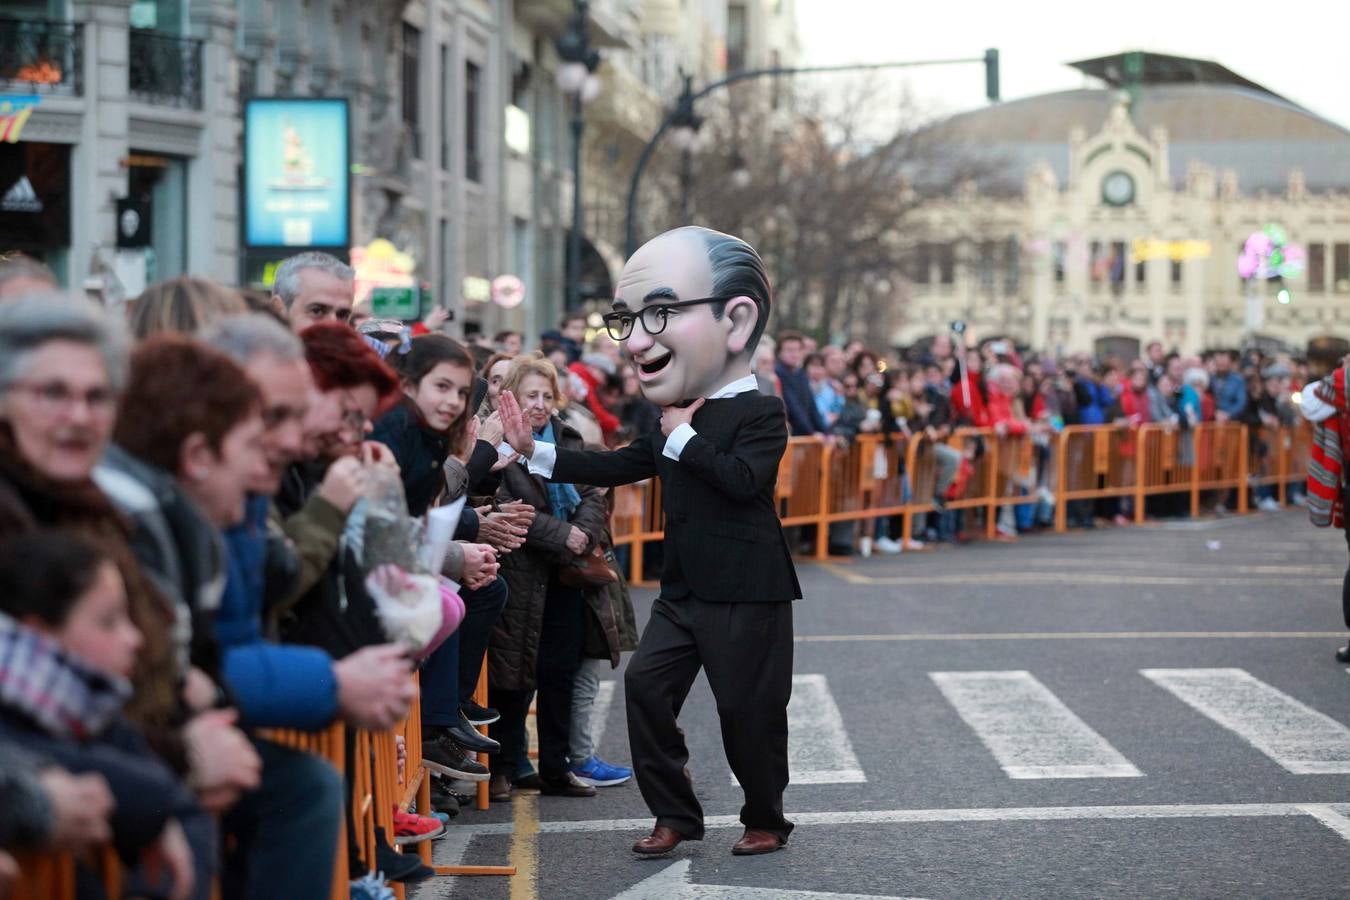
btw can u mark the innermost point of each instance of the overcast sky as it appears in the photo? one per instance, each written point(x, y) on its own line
point(1298, 50)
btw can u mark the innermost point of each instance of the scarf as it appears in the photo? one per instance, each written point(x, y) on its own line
point(1326, 458)
point(30, 499)
point(563, 499)
point(62, 695)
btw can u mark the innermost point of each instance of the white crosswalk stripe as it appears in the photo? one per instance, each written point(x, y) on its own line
point(1297, 737)
point(819, 751)
point(1029, 730)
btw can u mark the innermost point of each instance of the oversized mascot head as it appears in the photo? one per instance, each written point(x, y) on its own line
point(690, 306)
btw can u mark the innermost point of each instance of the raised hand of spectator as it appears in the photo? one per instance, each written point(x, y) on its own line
point(224, 763)
point(436, 318)
point(515, 430)
point(518, 511)
point(490, 429)
point(80, 805)
point(344, 483)
point(464, 451)
point(500, 532)
point(373, 453)
point(577, 540)
point(374, 686)
point(480, 565)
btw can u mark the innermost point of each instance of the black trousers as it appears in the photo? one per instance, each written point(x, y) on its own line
point(746, 649)
point(1345, 584)
point(560, 642)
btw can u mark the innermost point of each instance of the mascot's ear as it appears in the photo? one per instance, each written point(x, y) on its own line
point(743, 315)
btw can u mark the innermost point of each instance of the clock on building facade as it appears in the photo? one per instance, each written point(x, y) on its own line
point(1118, 189)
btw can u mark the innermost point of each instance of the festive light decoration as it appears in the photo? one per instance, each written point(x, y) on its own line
point(1268, 254)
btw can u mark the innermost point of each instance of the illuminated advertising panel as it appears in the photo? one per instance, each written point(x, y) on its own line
point(296, 173)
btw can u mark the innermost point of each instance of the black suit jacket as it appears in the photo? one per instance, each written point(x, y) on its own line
point(723, 541)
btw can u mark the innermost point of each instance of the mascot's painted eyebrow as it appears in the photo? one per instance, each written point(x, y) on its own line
point(661, 293)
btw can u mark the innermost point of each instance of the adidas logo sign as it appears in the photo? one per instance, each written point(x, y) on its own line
point(21, 197)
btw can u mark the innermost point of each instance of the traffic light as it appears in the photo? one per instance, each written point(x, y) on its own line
point(991, 74)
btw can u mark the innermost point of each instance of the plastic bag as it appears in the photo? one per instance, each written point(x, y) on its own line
point(410, 606)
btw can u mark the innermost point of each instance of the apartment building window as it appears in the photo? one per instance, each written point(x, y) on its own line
point(1096, 269)
point(412, 101)
point(1140, 274)
point(1012, 266)
point(473, 151)
point(736, 36)
point(1176, 273)
point(1317, 268)
point(946, 260)
point(1340, 268)
point(1117, 266)
point(1061, 254)
point(986, 263)
point(921, 272)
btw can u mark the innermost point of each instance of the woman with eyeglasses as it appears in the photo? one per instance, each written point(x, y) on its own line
point(352, 385)
point(63, 363)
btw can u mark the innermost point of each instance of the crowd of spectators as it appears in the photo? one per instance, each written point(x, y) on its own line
point(216, 512)
point(836, 392)
point(202, 502)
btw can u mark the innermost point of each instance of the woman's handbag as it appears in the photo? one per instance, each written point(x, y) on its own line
point(588, 570)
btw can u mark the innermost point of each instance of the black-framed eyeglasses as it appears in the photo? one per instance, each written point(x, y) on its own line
point(619, 323)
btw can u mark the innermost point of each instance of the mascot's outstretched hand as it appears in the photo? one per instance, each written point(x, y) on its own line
point(515, 430)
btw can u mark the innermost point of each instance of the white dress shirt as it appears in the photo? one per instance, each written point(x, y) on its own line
point(546, 455)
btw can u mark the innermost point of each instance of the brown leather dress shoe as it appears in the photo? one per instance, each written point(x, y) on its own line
point(661, 840)
point(499, 789)
point(755, 842)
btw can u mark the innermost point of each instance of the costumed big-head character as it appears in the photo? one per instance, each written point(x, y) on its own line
point(691, 305)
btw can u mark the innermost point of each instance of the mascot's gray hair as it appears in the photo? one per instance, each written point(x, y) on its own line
point(737, 271)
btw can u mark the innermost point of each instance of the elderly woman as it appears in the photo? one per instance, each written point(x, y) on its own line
point(62, 366)
point(537, 642)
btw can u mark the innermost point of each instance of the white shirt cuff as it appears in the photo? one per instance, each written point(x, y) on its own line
point(678, 438)
point(1313, 407)
point(544, 459)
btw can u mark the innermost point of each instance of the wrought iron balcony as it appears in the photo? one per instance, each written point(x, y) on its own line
point(39, 56)
point(165, 69)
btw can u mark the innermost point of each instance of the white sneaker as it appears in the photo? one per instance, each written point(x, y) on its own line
point(886, 545)
point(1268, 504)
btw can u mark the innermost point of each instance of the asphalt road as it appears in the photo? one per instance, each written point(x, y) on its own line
point(1182, 674)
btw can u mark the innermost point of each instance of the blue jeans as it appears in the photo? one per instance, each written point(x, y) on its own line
point(450, 674)
point(285, 831)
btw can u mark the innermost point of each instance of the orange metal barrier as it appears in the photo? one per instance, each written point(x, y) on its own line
point(820, 484)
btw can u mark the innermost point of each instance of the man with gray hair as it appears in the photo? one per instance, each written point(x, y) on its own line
point(20, 274)
point(313, 287)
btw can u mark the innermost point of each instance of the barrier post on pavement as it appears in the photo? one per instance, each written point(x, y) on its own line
point(1243, 463)
point(991, 512)
point(823, 509)
point(1062, 481)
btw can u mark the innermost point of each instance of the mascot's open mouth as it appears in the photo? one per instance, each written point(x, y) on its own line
point(651, 367)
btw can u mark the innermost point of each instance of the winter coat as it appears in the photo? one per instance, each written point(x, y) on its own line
point(179, 550)
point(279, 686)
point(25, 809)
point(30, 500)
point(61, 710)
point(529, 570)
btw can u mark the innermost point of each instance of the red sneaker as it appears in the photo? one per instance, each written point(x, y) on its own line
point(410, 828)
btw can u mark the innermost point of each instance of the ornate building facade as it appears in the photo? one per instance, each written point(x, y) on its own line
point(1114, 216)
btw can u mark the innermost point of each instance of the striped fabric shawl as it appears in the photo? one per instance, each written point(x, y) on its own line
point(1326, 461)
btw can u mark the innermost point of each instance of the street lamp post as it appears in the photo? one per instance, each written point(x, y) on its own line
point(577, 80)
point(685, 125)
point(680, 116)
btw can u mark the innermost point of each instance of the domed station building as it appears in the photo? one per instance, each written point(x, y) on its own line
point(1108, 217)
